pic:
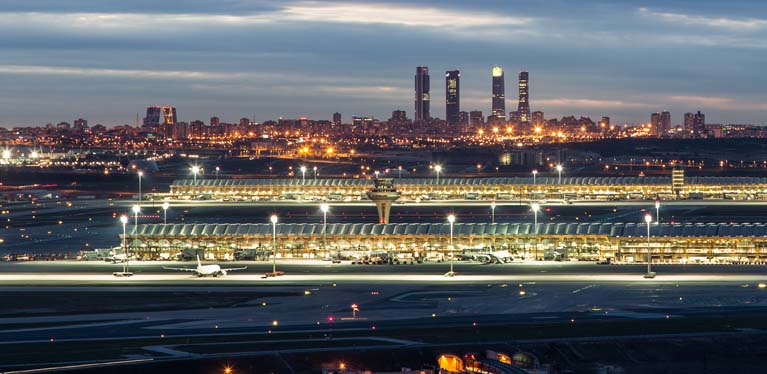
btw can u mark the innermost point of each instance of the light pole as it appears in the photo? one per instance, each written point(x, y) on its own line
point(124, 221)
point(303, 174)
point(136, 210)
point(650, 274)
point(324, 208)
point(140, 174)
point(492, 212)
point(274, 244)
point(400, 171)
point(315, 173)
point(657, 211)
point(438, 169)
point(535, 172)
point(559, 171)
point(535, 207)
point(451, 220)
point(195, 171)
point(217, 170)
point(165, 207)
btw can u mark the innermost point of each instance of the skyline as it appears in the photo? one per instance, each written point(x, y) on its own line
point(106, 61)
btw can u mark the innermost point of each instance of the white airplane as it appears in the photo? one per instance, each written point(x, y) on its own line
point(115, 258)
point(206, 270)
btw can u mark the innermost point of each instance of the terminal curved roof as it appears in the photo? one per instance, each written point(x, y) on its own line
point(464, 229)
point(587, 181)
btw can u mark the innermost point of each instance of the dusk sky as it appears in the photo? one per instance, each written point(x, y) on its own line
point(106, 60)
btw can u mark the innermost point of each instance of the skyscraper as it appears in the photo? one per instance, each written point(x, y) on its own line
point(665, 123)
point(452, 96)
point(336, 119)
point(699, 124)
point(689, 122)
point(655, 124)
point(498, 111)
point(422, 99)
point(523, 109)
point(160, 119)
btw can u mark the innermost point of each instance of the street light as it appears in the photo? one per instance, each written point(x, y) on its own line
point(650, 274)
point(492, 212)
point(559, 170)
point(400, 171)
point(324, 208)
point(274, 244)
point(303, 174)
point(217, 170)
point(165, 207)
point(315, 173)
point(535, 207)
point(451, 219)
point(140, 174)
point(195, 171)
point(657, 211)
point(535, 172)
point(136, 210)
point(438, 169)
point(124, 221)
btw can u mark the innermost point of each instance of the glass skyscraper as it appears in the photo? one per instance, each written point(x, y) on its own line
point(422, 99)
point(452, 96)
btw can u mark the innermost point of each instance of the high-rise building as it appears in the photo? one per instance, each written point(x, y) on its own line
point(537, 118)
point(699, 124)
point(665, 123)
point(422, 99)
point(452, 96)
point(655, 124)
point(160, 119)
point(337, 118)
point(81, 124)
point(215, 121)
point(604, 122)
point(476, 118)
point(463, 117)
point(399, 116)
point(499, 95)
point(181, 131)
point(523, 109)
point(689, 122)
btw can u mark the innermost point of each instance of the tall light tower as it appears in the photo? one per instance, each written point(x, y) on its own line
point(140, 174)
point(124, 221)
point(657, 211)
point(451, 220)
point(165, 207)
point(400, 171)
point(315, 172)
point(438, 169)
point(136, 210)
point(274, 244)
point(324, 208)
point(217, 170)
point(535, 207)
point(303, 174)
point(492, 212)
point(650, 274)
point(559, 171)
point(535, 172)
point(195, 171)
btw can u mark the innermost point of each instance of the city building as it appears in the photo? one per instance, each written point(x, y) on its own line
point(498, 111)
point(523, 109)
point(337, 120)
point(476, 119)
point(689, 122)
point(665, 123)
point(452, 96)
point(160, 119)
point(655, 124)
point(422, 98)
point(699, 125)
point(398, 116)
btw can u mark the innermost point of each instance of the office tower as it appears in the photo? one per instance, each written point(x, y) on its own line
point(665, 123)
point(463, 117)
point(689, 122)
point(81, 124)
point(422, 98)
point(452, 96)
point(181, 131)
point(336, 118)
point(244, 122)
point(160, 119)
point(699, 124)
point(514, 117)
point(523, 109)
point(604, 122)
point(499, 95)
point(537, 118)
point(398, 116)
point(476, 118)
point(215, 121)
point(655, 124)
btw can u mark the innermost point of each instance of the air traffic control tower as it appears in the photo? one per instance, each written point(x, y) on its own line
point(383, 195)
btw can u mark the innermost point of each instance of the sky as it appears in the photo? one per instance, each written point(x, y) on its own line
point(106, 60)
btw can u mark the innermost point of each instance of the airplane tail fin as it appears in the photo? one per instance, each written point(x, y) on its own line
point(198, 261)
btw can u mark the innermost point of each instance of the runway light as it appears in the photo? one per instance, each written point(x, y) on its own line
point(522, 293)
point(275, 322)
point(263, 303)
point(433, 315)
point(762, 285)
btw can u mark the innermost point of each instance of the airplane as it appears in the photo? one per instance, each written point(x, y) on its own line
point(115, 258)
point(206, 270)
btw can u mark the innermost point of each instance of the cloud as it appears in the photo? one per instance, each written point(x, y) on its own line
point(734, 24)
point(119, 73)
point(592, 103)
point(718, 103)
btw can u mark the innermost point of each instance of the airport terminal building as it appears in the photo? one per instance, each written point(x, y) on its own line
point(405, 242)
point(500, 188)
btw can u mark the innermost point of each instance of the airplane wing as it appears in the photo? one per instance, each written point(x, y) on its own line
point(180, 269)
point(233, 269)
